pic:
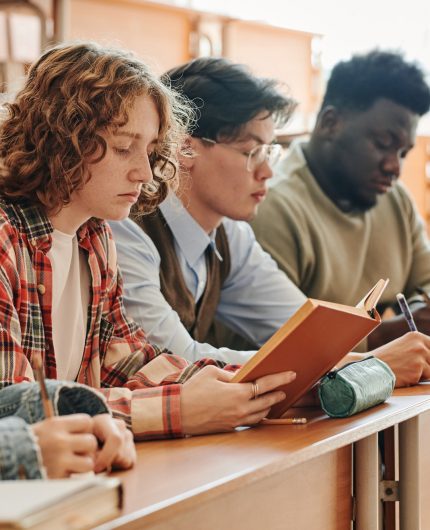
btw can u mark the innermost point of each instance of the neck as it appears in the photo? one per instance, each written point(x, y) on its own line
point(316, 160)
point(67, 221)
point(201, 213)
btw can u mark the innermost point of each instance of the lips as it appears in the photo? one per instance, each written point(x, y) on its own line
point(132, 196)
point(260, 195)
point(382, 185)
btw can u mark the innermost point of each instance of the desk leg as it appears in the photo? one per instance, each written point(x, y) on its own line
point(409, 490)
point(366, 484)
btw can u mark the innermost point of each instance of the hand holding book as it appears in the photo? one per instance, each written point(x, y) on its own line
point(315, 338)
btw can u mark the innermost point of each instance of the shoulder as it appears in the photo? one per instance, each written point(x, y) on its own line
point(127, 230)
point(10, 216)
point(245, 251)
point(287, 203)
point(131, 240)
point(238, 233)
point(11, 233)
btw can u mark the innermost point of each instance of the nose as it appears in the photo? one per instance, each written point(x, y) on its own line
point(141, 169)
point(392, 164)
point(264, 171)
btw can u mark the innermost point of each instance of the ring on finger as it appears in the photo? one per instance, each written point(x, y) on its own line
point(254, 390)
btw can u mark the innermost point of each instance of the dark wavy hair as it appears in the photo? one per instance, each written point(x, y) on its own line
point(226, 96)
point(72, 93)
point(356, 84)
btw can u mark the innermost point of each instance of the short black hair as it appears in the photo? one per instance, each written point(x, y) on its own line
point(357, 83)
point(226, 96)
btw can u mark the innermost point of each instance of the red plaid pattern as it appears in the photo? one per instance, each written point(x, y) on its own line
point(140, 382)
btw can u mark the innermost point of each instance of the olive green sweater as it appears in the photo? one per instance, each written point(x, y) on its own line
point(337, 256)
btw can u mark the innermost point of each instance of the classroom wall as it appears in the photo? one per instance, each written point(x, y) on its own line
point(277, 52)
point(416, 176)
point(158, 34)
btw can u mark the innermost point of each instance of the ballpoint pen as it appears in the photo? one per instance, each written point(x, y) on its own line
point(406, 311)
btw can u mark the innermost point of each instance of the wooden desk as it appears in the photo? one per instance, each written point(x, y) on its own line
point(281, 477)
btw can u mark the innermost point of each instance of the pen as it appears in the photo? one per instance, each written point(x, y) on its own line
point(406, 311)
point(284, 421)
point(48, 409)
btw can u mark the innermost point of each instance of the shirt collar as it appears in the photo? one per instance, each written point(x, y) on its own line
point(35, 223)
point(190, 237)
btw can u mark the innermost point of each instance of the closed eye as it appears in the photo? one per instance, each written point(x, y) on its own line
point(122, 151)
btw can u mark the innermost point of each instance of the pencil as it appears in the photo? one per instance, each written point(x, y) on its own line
point(284, 421)
point(406, 312)
point(48, 409)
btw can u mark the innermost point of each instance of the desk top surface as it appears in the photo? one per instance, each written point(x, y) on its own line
point(173, 470)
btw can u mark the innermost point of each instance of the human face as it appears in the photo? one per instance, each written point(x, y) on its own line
point(116, 180)
point(221, 185)
point(368, 150)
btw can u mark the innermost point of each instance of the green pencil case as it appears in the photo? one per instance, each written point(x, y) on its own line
point(355, 387)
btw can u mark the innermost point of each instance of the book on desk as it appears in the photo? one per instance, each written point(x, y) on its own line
point(311, 343)
point(69, 504)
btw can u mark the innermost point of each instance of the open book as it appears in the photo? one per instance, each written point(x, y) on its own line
point(70, 504)
point(311, 342)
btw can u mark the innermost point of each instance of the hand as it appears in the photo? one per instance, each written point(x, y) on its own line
point(397, 326)
point(67, 444)
point(210, 403)
point(118, 450)
point(408, 357)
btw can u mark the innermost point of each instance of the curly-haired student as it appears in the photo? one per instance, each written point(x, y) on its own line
point(92, 133)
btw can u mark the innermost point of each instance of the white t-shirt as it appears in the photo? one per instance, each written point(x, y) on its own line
point(70, 297)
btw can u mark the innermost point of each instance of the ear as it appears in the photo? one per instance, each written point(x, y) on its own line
point(189, 147)
point(329, 122)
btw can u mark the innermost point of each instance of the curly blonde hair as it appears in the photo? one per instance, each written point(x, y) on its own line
point(72, 93)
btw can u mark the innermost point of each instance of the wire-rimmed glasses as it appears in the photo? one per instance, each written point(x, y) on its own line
point(258, 154)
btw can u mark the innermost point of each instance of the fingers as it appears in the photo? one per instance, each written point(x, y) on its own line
point(118, 446)
point(84, 444)
point(127, 457)
point(265, 402)
point(75, 423)
point(257, 417)
point(78, 464)
point(272, 381)
point(107, 431)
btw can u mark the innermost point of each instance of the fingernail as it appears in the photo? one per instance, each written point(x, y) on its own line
point(284, 395)
point(293, 374)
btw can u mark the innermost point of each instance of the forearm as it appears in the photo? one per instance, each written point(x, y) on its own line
point(19, 452)
point(151, 413)
point(352, 357)
point(24, 400)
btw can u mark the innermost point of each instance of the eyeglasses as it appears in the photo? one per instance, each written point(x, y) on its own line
point(259, 154)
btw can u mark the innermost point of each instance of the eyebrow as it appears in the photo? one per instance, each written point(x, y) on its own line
point(134, 136)
point(128, 134)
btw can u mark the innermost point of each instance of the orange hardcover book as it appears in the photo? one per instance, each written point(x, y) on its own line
point(311, 342)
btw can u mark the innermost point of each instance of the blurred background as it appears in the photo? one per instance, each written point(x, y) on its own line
point(297, 42)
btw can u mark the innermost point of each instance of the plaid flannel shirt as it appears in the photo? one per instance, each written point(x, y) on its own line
point(141, 383)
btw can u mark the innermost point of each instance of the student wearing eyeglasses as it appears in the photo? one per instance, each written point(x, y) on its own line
point(196, 261)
